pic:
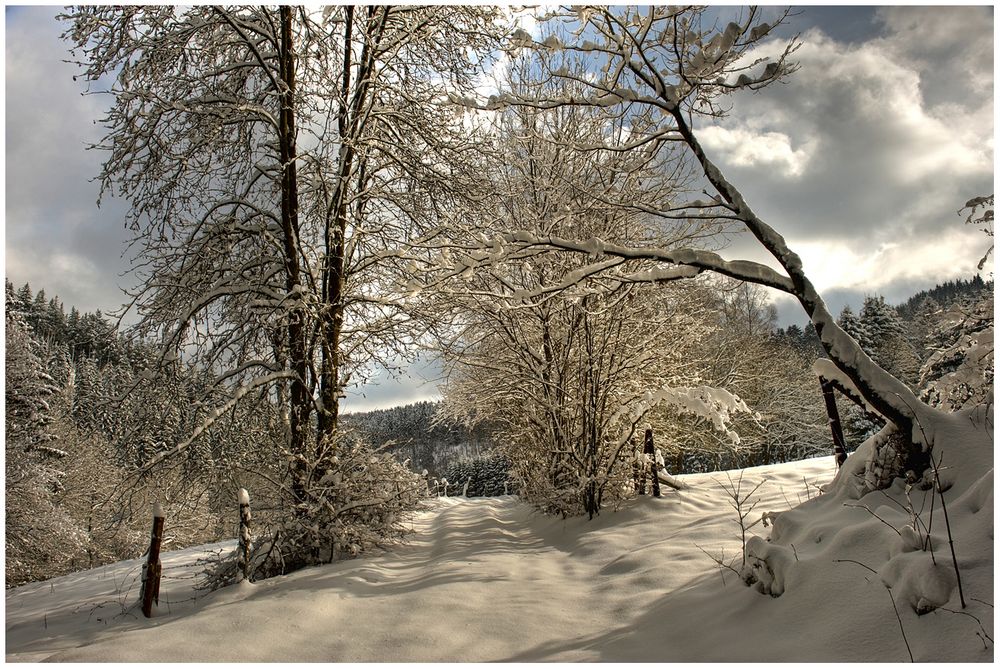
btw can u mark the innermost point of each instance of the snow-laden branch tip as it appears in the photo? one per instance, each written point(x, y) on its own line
point(744, 270)
point(826, 370)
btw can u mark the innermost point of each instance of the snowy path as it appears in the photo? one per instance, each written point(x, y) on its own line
point(479, 580)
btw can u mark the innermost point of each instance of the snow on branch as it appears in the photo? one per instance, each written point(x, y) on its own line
point(743, 270)
point(716, 405)
point(824, 369)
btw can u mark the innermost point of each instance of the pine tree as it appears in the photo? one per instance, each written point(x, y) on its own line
point(22, 299)
point(850, 323)
point(884, 339)
point(37, 531)
point(27, 390)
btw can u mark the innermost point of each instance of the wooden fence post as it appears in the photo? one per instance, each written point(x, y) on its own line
point(648, 449)
point(153, 569)
point(839, 444)
point(243, 551)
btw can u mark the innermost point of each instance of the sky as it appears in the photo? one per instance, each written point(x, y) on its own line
point(862, 160)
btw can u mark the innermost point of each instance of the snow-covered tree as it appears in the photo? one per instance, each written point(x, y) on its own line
point(770, 374)
point(959, 372)
point(271, 157)
point(37, 531)
point(566, 380)
point(883, 337)
point(669, 60)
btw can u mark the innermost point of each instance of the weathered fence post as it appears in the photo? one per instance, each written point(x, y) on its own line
point(153, 569)
point(651, 452)
point(839, 444)
point(243, 551)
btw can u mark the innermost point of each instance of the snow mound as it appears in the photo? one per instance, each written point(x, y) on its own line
point(898, 540)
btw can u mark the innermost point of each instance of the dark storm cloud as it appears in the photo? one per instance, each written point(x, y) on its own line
point(56, 237)
point(953, 47)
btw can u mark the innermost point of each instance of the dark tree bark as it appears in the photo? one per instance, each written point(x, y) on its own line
point(650, 450)
point(839, 445)
point(300, 401)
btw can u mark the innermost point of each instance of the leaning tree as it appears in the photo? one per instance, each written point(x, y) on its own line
point(682, 65)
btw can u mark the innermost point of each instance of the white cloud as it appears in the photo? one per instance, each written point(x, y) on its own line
point(747, 148)
point(839, 265)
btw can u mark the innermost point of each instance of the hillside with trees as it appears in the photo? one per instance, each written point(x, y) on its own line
point(416, 433)
point(549, 203)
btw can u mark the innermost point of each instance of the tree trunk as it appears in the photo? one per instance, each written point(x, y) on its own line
point(300, 401)
point(353, 98)
point(839, 445)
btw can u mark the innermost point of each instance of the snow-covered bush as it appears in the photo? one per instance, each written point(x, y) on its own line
point(909, 531)
point(355, 499)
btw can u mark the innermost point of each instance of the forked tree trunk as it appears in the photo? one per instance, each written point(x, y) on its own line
point(299, 398)
point(839, 445)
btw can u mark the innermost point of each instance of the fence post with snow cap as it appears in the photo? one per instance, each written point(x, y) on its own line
point(243, 550)
point(153, 569)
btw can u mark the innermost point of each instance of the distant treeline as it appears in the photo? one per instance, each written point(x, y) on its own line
point(412, 432)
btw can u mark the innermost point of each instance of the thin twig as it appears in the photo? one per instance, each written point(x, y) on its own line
point(860, 564)
point(947, 524)
point(966, 613)
point(900, 620)
point(884, 522)
point(721, 562)
point(891, 599)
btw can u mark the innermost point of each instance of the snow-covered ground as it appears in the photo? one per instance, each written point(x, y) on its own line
point(490, 580)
